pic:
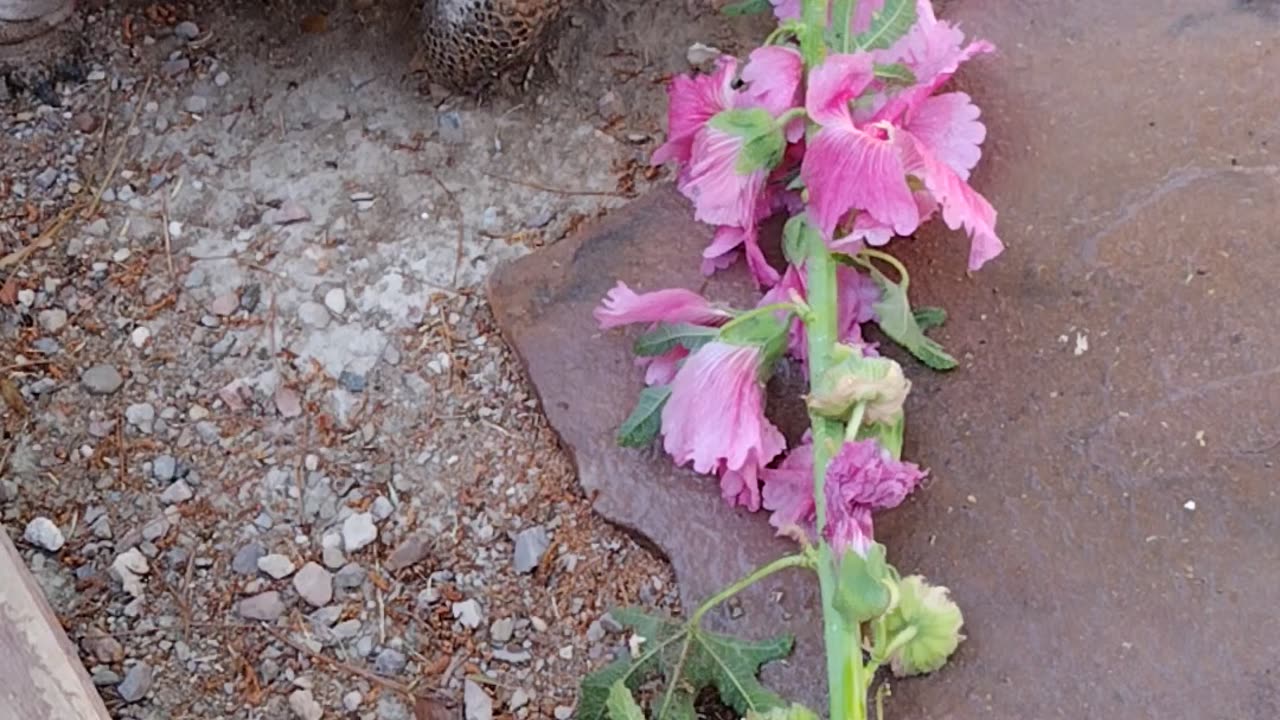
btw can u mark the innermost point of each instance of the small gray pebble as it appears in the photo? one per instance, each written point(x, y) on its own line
point(530, 546)
point(450, 126)
point(353, 382)
point(390, 662)
point(137, 682)
point(349, 577)
point(196, 104)
point(101, 379)
point(164, 468)
point(187, 30)
point(246, 559)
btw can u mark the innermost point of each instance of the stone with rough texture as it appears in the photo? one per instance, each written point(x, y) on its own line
point(529, 548)
point(305, 706)
point(44, 533)
point(137, 682)
point(358, 531)
point(102, 379)
point(476, 703)
point(411, 551)
point(264, 606)
point(275, 565)
point(314, 584)
point(1055, 510)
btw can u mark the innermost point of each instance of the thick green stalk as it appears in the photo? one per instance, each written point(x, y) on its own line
point(845, 681)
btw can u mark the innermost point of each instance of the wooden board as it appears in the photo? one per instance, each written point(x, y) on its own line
point(40, 674)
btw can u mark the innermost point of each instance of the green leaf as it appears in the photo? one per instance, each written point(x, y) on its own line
point(747, 7)
point(841, 24)
point(667, 336)
point(889, 436)
point(795, 711)
point(763, 141)
point(861, 592)
point(930, 317)
point(895, 318)
point(887, 25)
point(895, 73)
point(642, 426)
point(793, 240)
point(621, 705)
point(760, 329)
point(689, 660)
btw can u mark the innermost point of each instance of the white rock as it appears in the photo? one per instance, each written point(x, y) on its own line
point(358, 531)
point(468, 613)
point(336, 301)
point(382, 508)
point(519, 699)
point(178, 492)
point(129, 566)
point(44, 533)
point(476, 702)
point(304, 706)
point(352, 700)
point(314, 584)
point(276, 565)
point(140, 336)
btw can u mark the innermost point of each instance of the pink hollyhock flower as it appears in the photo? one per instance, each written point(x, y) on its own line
point(692, 100)
point(855, 301)
point(715, 419)
point(623, 306)
point(721, 193)
point(849, 167)
point(861, 478)
point(864, 167)
point(786, 9)
point(772, 77)
point(790, 10)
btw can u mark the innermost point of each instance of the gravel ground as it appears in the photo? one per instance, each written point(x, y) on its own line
point(261, 437)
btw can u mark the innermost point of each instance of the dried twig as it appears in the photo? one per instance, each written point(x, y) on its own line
point(462, 225)
point(559, 191)
point(345, 667)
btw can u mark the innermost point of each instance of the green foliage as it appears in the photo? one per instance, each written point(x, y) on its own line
point(667, 336)
point(863, 585)
point(896, 319)
point(794, 240)
point(689, 659)
point(621, 705)
point(925, 626)
point(895, 73)
point(763, 143)
point(747, 7)
point(930, 317)
point(889, 24)
point(794, 711)
point(641, 427)
point(889, 435)
point(838, 34)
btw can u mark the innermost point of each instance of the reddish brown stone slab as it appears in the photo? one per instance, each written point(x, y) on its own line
point(1131, 156)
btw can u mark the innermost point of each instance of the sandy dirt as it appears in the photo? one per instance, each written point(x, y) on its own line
point(242, 326)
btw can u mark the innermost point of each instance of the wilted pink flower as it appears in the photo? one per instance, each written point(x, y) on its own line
point(623, 306)
point(721, 194)
point(786, 9)
point(861, 478)
point(790, 10)
point(715, 419)
point(772, 78)
point(692, 100)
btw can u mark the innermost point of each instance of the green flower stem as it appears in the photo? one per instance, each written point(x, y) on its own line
point(855, 422)
point(782, 563)
point(904, 277)
point(763, 310)
point(785, 118)
point(845, 671)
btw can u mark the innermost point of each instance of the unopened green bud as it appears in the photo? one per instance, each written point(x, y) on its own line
point(924, 627)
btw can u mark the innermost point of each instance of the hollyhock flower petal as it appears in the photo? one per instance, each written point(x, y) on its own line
point(839, 79)
point(720, 194)
point(714, 417)
point(848, 527)
point(786, 9)
point(948, 124)
point(724, 247)
point(850, 169)
point(660, 370)
point(692, 101)
point(933, 50)
point(864, 473)
point(742, 487)
point(623, 306)
point(962, 206)
point(772, 76)
point(788, 491)
point(868, 231)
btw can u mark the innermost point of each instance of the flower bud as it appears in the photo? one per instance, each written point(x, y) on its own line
point(877, 381)
point(931, 621)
